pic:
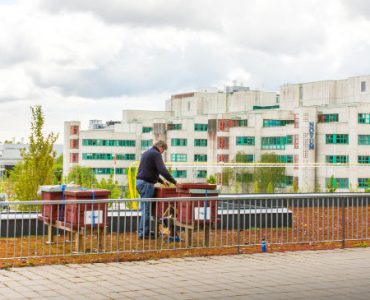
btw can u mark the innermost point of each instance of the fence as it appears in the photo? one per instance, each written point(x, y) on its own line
point(239, 221)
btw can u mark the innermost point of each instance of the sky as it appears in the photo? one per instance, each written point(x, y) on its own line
point(83, 59)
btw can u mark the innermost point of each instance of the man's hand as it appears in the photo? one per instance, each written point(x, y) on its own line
point(166, 184)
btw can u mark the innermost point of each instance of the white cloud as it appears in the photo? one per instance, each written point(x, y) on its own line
point(91, 59)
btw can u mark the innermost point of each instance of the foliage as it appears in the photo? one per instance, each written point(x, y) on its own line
point(36, 167)
point(367, 190)
point(58, 170)
point(226, 179)
point(115, 191)
point(331, 186)
point(83, 176)
point(267, 179)
point(211, 179)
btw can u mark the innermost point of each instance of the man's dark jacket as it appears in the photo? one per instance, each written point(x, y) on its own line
point(151, 166)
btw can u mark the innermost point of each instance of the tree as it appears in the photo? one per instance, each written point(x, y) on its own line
point(267, 179)
point(367, 190)
point(331, 186)
point(115, 191)
point(58, 170)
point(83, 176)
point(36, 167)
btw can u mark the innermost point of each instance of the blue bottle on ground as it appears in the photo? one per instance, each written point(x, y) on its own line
point(264, 246)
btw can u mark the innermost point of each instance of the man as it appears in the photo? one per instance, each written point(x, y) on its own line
point(151, 166)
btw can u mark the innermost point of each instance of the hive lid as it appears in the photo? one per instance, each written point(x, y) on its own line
point(58, 188)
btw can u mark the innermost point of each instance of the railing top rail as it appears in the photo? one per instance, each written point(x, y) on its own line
point(230, 197)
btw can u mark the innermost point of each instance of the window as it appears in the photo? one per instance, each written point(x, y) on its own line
point(364, 139)
point(363, 86)
point(179, 157)
point(146, 129)
point(364, 118)
point(222, 142)
point(240, 123)
point(276, 123)
point(179, 142)
point(145, 144)
point(341, 183)
point(108, 156)
point(127, 156)
point(336, 159)
point(73, 158)
point(285, 159)
point(328, 118)
point(201, 174)
point(174, 126)
point(222, 158)
point(73, 144)
point(245, 140)
point(224, 125)
point(363, 183)
point(200, 157)
point(200, 127)
point(74, 129)
point(337, 139)
point(289, 140)
point(244, 158)
point(121, 143)
point(363, 159)
point(179, 173)
point(200, 142)
point(258, 107)
point(108, 171)
point(273, 142)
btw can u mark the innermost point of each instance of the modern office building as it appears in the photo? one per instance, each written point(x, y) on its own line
point(317, 129)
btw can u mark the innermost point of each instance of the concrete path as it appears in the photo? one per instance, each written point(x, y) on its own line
point(334, 274)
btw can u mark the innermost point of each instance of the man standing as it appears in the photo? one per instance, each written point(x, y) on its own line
point(151, 166)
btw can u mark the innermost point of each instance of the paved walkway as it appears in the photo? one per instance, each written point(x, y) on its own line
point(334, 274)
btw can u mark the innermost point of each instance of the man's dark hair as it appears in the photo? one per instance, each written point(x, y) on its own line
point(161, 144)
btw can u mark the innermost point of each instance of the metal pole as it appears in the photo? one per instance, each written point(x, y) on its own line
point(343, 223)
point(238, 226)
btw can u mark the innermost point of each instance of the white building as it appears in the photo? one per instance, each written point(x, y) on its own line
point(10, 155)
point(318, 129)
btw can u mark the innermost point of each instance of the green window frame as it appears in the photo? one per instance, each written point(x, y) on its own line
point(200, 157)
point(364, 118)
point(276, 123)
point(200, 127)
point(179, 173)
point(328, 118)
point(98, 142)
point(340, 183)
point(201, 174)
point(245, 140)
point(285, 159)
point(179, 142)
point(336, 159)
point(273, 142)
point(337, 138)
point(174, 126)
point(145, 144)
point(363, 183)
point(146, 129)
point(363, 159)
point(109, 171)
point(289, 140)
point(175, 157)
point(363, 139)
point(200, 142)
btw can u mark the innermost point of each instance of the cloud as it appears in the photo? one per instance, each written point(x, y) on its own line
point(146, 13)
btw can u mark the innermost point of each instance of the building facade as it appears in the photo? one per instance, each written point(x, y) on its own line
point(318, 130)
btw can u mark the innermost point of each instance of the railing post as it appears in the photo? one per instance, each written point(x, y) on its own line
point(238, 227)
point(118, 224)
point(343, 223)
